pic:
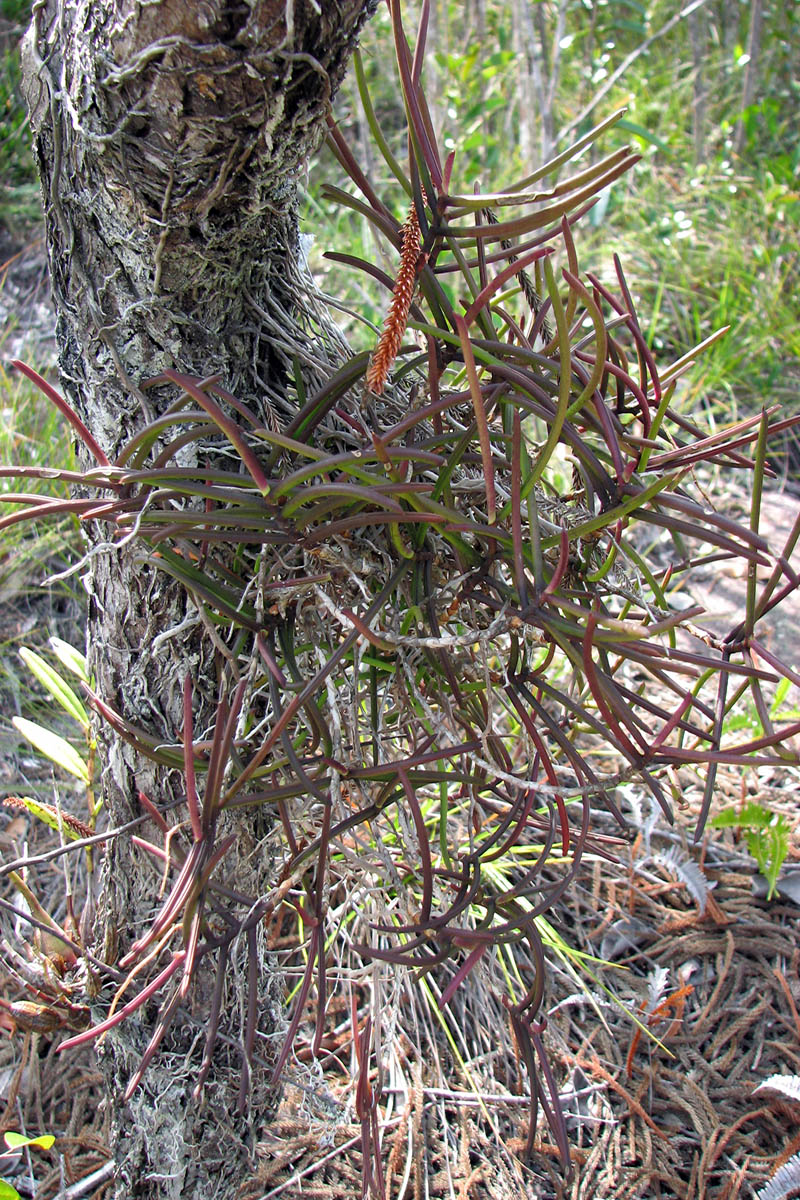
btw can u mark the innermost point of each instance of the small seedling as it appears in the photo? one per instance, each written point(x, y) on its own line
point(766, 834)
point(15, 1142)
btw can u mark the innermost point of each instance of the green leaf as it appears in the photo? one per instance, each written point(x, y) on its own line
point(70, 657)
point(727, 819)
point(769, 848)
point(50, 679)
point(15, 1140)
point(766, 834)
point(754, 816)
point(751, 816)
point(777, 711)
point(54, 747)
point(7, 1192)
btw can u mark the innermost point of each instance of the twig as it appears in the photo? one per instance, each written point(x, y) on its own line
point(80, 844)
point(89, 1182)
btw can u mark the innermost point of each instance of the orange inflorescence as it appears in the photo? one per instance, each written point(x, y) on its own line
point(397, 318)
point(51, 815)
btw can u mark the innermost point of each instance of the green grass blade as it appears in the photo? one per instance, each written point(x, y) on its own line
point(61, 692)
point(54, 747)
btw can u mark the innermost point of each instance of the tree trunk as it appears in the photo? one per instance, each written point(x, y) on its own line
point(526, 102)
point(168, 136)
point(698, 20)
point(750, 85)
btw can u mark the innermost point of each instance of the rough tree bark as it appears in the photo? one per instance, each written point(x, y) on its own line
point(168, 136)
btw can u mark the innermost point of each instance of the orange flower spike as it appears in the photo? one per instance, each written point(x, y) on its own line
point(397, 318)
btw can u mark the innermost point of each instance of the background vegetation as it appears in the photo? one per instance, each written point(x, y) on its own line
point(706, 224)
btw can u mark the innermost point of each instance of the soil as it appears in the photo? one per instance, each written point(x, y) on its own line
point(721, 587)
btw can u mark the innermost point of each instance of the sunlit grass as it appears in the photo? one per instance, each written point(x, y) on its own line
point(32, 435)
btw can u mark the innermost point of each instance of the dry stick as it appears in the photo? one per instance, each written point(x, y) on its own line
point(90, 1182)
point(788, 1152)
point(80, 844)
point(764, 1111)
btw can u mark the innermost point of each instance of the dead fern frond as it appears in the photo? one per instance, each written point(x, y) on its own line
point(397, 318)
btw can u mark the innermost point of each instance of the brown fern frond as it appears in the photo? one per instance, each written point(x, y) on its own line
point(397, 318)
